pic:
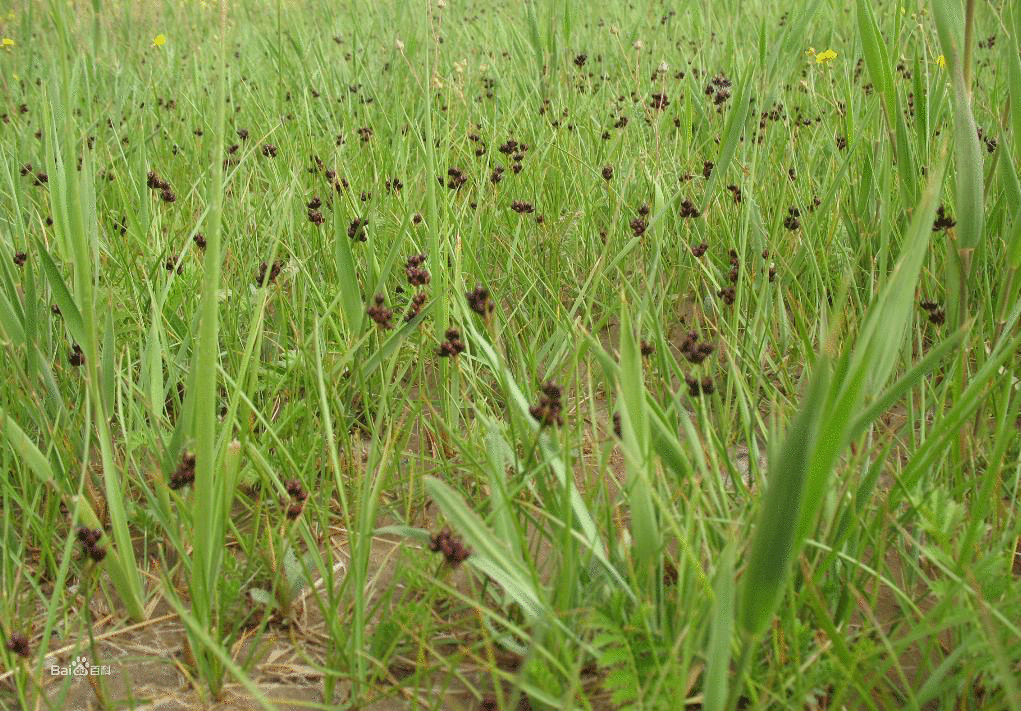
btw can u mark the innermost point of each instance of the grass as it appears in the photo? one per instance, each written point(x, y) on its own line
point(703, 392)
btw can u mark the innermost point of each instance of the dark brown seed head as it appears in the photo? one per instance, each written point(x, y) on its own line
point(18, 644)
point(380, 314)
point(942, 221)
point(479, 301)
point(688, 209)
point(417, 275)
point(607, 172)
point(454, 551)
point(295, 490)
point(415, 307)
point(551, 390)
point(356, 230)
point(670, 575)
point(547, 411)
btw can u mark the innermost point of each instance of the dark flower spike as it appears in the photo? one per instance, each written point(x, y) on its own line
point(547, 412)
point(380, 314)
point(943, 221)
point(298, 496)
point(185, 472)
point(18, 643)
point(89, 538)
point(479, 301)
point(274, 271)
point(454, 551)
point(694, 351)
point(697, 388)
point(356, 230)
point(415, 307)
point(417, 274)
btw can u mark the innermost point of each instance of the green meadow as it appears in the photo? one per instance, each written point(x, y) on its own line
point(537, 354)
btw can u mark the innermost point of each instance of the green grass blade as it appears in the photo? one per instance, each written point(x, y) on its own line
point(773, 545)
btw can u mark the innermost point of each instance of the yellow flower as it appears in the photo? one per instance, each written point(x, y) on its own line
point(7, 43)
point(159, 40)
point(828, 56)
point(941, 61)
